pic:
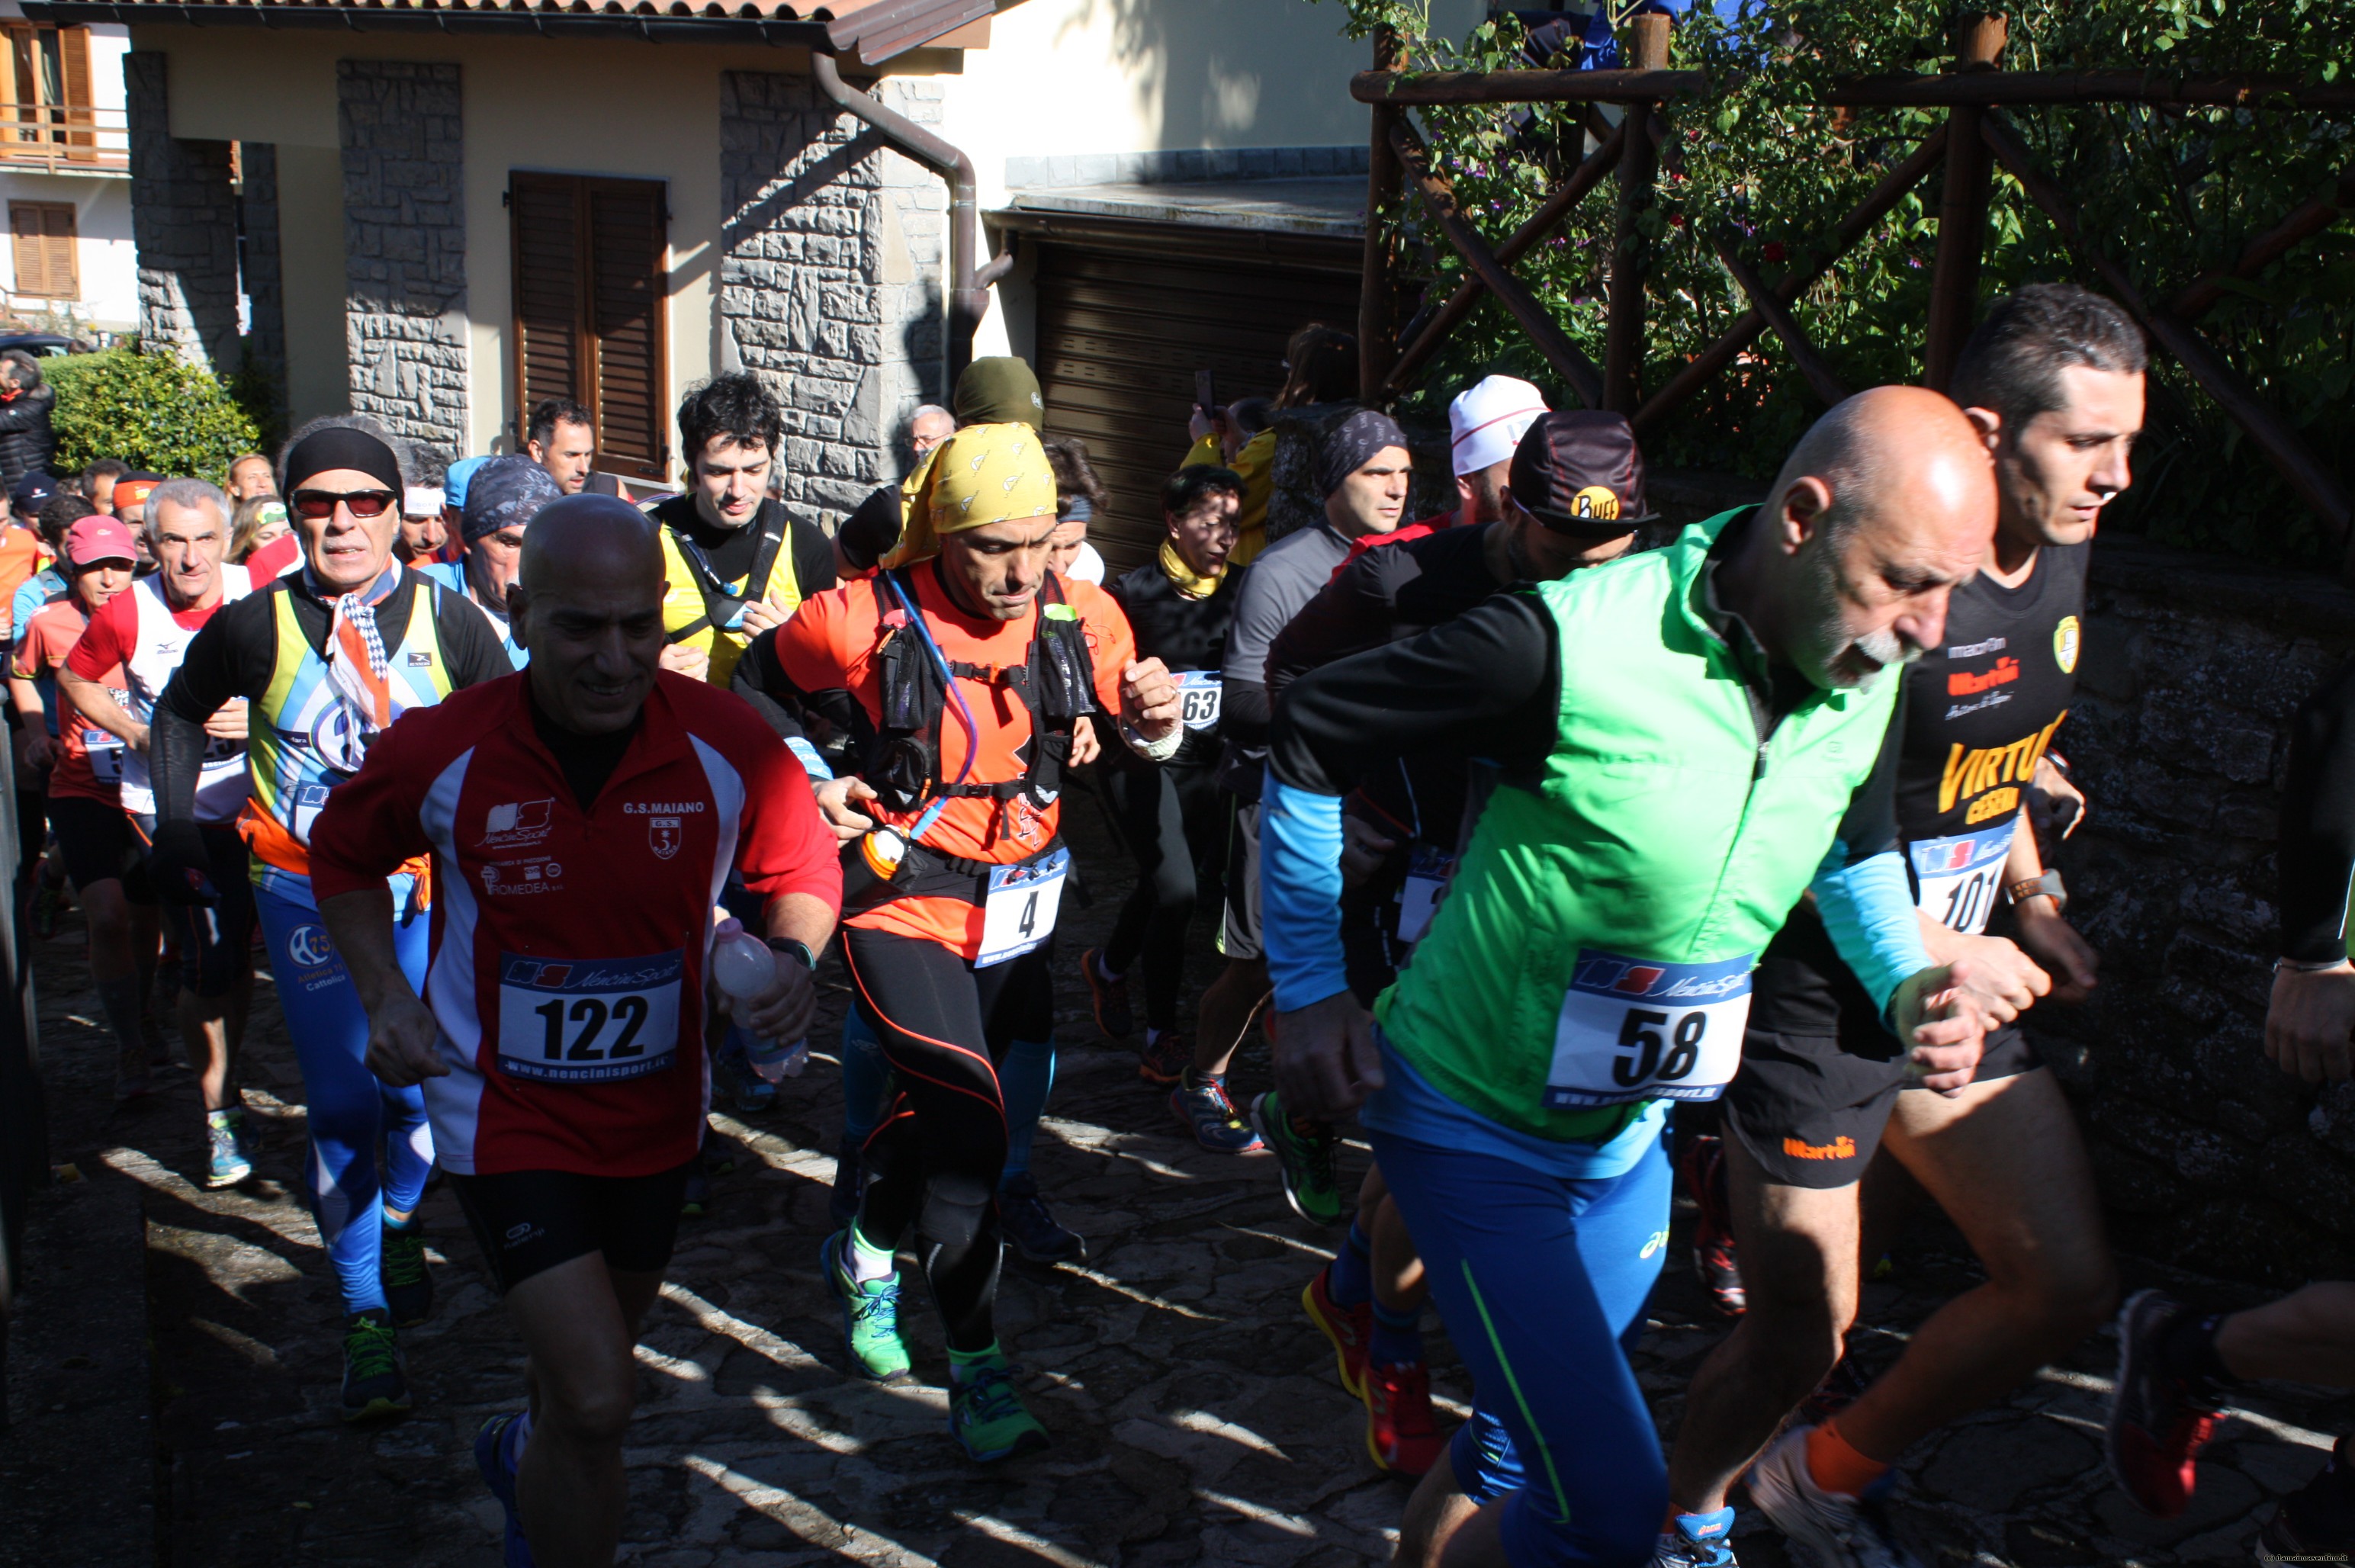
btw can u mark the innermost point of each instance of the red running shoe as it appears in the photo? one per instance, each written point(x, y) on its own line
point(1400, 1433)
point(1349, 1328)
point(2158, 1421)
point(1714, 1261)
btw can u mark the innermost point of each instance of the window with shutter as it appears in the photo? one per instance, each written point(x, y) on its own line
point(591, 281)
point(43, 236)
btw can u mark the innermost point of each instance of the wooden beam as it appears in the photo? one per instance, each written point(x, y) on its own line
point(1525, 86)
point(1962, 210)
point(1786, 327)
point(1885, 194)
point(1559, 205)
point(2329, 204)
point(1631, 249)
point(2314, 482)
point(2023, 89)
point(1559, 352)
point(1377, 343)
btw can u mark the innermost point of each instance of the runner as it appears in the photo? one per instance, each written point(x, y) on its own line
point(1485, 423)
point(588, 806)
point(1173, 814)
point(101, 853)
point(1078, 494)
point(1574, 497)
point(40, 883)
point(2178, 1365)
point(974, 666)
point(2054, 380)
point(502, 499)
point(331, 655)
point(735, 564)
point(1363, 471)
point(560, 436)
point(1679, 737)
point(135, 643)
point(424, 537)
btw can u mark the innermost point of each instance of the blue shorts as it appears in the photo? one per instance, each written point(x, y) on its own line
point(1542, 1281)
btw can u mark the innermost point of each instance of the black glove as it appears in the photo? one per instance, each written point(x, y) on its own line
point(180, 866)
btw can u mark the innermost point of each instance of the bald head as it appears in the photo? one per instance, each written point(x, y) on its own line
point(1884, 509)
point(589, 608)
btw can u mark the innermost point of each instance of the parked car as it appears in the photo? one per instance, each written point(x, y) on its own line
point(41, 345)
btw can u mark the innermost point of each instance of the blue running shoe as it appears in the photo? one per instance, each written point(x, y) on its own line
point(495, 1457)
point(1698, 1540)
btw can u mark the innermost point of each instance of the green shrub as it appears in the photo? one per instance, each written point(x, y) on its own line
point(150, 408)
point(2167, 193)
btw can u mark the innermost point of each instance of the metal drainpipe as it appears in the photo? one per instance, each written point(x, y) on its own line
point(968, 289)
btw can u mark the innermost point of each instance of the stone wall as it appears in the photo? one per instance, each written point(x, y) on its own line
point(405, 248)
point(262, 277)
point(830, 286)
point(183, 225)
point(2209, 1157)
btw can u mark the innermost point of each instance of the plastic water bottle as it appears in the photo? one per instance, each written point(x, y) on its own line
point(744, 967)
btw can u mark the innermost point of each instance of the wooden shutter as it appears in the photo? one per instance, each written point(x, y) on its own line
point(591, 282)
point(43, 235)
point(73, 53)
point(629, 282)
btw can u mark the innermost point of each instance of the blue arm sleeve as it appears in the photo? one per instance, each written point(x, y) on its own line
point(1300, 893)
point(812, 762)
point(1869, 909)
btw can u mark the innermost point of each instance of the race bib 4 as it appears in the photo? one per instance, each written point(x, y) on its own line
point(1019, 911)
point(1637, 1029)
point(589, 1021)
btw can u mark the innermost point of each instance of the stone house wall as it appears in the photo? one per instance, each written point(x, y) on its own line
point(405, 248)
point(181, 203)
point(832, 246)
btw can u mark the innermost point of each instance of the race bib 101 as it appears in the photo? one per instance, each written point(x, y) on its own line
point(589, 1021)
point(1957, 878)
point(1199, 692)
point(1637, 1029)
point(1019, 913)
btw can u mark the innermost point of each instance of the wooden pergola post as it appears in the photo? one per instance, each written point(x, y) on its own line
point(1962, 208)
point(1631, 253)
point(1376, 345)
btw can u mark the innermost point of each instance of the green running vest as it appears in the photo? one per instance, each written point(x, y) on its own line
point(1661, 831)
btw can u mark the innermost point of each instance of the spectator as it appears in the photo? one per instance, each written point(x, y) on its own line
point(929, 426)
point(561, 437)
point(260, 520)
point(1078, 494)
point(26, 442)
point(250, 479)
point(97, 482)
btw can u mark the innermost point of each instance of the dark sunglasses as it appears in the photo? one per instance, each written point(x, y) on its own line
point(317, 504)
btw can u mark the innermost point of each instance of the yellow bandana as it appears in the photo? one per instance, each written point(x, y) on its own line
point(1189, 583)
point(984, 474)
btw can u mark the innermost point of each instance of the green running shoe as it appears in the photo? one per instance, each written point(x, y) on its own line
point(376, 1380)
point(870, 1314)
point(400, 1267)
point(1304, 1158)
point(987, 1413)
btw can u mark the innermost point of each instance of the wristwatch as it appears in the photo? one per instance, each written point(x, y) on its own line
point(2046, 886)
point(796, 950)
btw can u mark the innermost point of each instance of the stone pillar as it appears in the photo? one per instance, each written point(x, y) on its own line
point(182, 224)
point(405, 248)
point(830, 281)
point(263, 275)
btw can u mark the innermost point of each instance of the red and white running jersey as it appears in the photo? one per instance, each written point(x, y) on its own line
point(568, 947)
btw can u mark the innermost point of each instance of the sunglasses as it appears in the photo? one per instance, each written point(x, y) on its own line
point(316, 504)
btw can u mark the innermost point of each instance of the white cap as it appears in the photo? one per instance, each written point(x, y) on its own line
point(420, 501)
point(1489, 420)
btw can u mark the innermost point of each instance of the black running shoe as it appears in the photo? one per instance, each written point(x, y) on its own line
point(408, 1284)
point(2159, 1422)
point(1032, 1227)
point(376, 1380)
point(1715, 1263)
point(2316, 1524)
point(1107, 999)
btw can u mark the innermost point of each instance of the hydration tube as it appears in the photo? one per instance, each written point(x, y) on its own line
point(973, 730)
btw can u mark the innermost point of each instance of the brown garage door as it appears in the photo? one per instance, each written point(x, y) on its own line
point(1121, 333)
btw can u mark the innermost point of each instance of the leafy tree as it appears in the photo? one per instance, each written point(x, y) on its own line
point(149, 407)
point(2166, 193)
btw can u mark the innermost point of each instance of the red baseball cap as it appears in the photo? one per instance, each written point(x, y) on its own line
point(99, 539)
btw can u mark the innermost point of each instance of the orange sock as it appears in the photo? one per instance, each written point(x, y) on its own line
point(1835, 1465)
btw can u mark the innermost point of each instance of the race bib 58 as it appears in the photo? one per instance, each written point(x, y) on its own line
point(1639, 1028)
